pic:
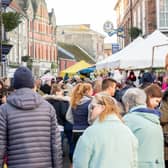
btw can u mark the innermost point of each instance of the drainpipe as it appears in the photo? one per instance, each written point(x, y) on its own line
point(131, 16)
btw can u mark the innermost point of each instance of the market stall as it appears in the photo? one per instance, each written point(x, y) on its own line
point(72, 70)
point(140, 54)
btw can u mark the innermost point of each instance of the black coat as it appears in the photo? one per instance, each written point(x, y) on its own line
point(61, 106)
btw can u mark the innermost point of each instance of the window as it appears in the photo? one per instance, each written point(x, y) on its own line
point(126, 5)
point(134, 18)
point(31, 25)
point(122, 9)
point(139, 17)
point(39, 51)
point(47, 52)
point(163, 13)
point(143, 17)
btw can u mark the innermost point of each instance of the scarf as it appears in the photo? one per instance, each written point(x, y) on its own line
point(147, 110)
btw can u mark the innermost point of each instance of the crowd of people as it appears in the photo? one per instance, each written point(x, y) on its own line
point(107, 122)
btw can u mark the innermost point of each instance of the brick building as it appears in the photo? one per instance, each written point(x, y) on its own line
point(147, 15)
point(41, 34)
point(69, 54)
point(65, 59)
point(18, 37)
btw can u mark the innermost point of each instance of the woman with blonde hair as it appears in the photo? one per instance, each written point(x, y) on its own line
point(108, 142)
point(78, 111)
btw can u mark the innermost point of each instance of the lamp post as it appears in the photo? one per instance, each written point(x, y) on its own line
point(131, 16)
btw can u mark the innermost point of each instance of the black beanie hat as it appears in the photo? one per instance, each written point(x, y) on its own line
point(147, 78)
point(23, 78)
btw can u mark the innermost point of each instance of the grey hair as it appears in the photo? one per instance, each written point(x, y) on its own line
point(134, 97)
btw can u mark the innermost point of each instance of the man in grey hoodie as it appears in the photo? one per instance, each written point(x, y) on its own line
point(29, 134)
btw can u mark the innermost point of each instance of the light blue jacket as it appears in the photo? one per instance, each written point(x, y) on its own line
point(146, 127)
point(107, 144)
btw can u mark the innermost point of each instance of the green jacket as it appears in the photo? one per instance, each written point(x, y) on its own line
point(146, 127)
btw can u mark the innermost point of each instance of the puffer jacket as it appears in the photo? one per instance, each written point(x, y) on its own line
point(29, 134)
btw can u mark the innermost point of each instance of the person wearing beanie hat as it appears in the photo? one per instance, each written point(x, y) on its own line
point(23, 78)
point(29, 134)
point(146, 80)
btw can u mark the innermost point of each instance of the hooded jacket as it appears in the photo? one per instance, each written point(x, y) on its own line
point(29, 133)
point(146, 127)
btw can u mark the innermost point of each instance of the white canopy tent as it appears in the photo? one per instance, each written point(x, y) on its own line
point(100, 64)
point(119, 59)
point(140, 53)
point(113, 60)
point(159, 56)
point(141, 56)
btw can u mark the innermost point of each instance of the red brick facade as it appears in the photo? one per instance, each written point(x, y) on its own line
point(64, 64)
point(42, 43)
point(151, 16)
point(139, 13)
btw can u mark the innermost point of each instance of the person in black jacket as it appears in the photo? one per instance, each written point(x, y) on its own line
point(46, 88)
point(61, 105)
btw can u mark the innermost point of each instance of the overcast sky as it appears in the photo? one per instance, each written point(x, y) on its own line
point(94, 12)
